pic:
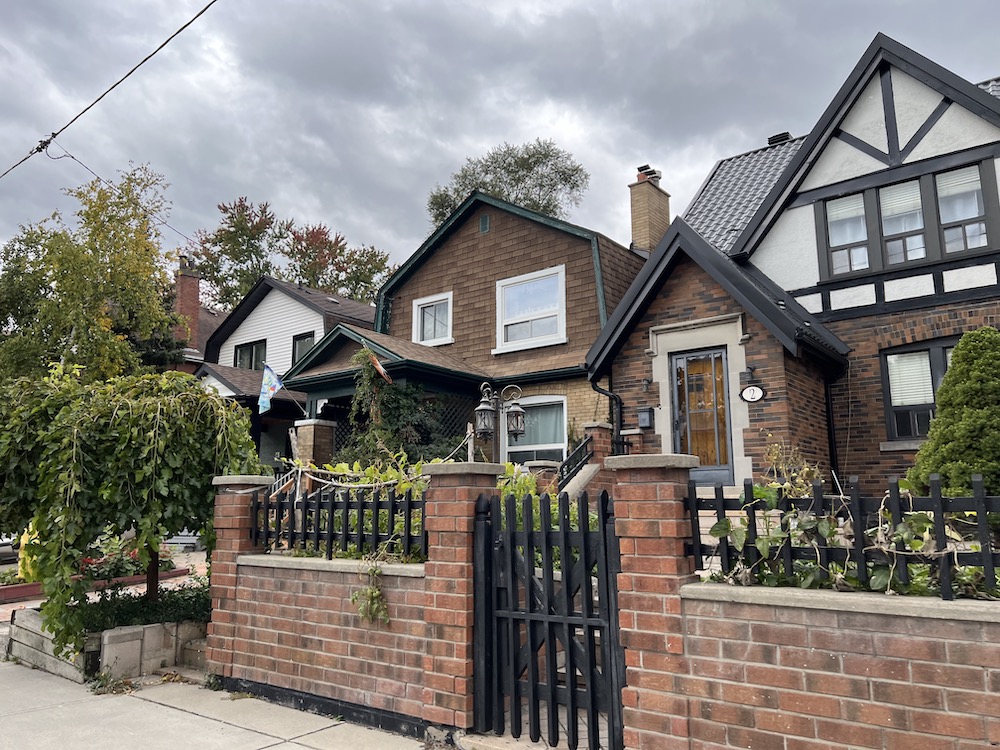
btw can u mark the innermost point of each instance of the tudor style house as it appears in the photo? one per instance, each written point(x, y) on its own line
point(814, 288)
point(277, 322)
point(497, 294)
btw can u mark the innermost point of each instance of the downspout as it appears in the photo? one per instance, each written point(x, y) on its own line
point(831, 430)
point(618, 445)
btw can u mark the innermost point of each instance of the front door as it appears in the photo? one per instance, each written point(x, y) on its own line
point(701, 417)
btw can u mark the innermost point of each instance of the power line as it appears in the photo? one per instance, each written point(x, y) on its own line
point(43, 144)
point(111, 185)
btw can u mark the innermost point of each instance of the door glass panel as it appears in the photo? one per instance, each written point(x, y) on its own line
point(701, 427)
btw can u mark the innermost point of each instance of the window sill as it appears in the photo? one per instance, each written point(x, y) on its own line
point(435, 342)
point(900, 446)
point(530, 344)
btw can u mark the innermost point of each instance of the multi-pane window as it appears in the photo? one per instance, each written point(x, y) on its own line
point(845, 221)
point(531, 310)
point(302, 344)
point(920, 220)
point(251, 356)
point(913, 377)
point(544, 432)
point(962, 211)
point(432, 320)
point(902, 222)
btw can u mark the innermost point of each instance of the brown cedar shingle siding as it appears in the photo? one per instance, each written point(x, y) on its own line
point(470, 263)
point(619, 266)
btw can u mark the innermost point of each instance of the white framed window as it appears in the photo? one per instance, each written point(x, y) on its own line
point(531, 310)
point(432, 320)
point(544, 437)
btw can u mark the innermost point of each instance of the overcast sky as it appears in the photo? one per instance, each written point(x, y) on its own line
point(348, 113)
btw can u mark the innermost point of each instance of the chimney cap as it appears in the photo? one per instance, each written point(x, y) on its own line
point(648, 173)
point(777, 138)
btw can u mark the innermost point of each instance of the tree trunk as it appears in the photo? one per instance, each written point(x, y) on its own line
point(153, 574)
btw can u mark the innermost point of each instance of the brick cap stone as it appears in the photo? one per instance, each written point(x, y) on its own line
point(595, 425)
point(855, 602)
point(463, 468)
point(316, 422)
point(652, 461)
point(354, 567)
point(247, 480)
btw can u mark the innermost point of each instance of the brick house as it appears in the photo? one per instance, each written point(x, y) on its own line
point(497, 294)
point(277, 322)
point(813, 289)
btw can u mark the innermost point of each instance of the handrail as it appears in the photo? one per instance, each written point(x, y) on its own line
point(576, 460)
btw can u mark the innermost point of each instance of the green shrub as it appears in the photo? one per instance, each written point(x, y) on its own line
point(117, 606)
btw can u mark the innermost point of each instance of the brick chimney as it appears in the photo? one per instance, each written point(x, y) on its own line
point(187, 302)
point(650, 209)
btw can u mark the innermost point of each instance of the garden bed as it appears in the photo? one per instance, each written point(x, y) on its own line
point(19, 592)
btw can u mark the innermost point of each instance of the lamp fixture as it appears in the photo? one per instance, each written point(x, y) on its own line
point(492, 405)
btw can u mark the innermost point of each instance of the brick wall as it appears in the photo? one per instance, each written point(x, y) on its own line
point(858, 403)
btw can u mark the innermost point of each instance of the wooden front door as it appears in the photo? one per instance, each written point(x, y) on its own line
point(701, 415)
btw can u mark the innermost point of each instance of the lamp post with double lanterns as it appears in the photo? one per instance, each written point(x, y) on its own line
point(492, 407)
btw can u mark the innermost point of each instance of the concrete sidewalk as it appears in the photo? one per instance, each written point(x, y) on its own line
point(40, 710)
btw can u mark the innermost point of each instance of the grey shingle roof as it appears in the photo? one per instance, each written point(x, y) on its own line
point(991, 87)
point(735, 189)
point(331, 304)
point(246, 382)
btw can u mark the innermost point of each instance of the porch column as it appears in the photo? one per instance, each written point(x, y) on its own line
point(315, 440)
point(652, 527)
point(449, 516)
point(233, 521)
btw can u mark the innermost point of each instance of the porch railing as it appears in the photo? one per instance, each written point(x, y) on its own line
point(576, 460)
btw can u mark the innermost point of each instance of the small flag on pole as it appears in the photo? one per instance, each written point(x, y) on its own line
point(269, 385)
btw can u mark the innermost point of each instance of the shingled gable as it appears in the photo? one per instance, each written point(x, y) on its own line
point(469, 206)
point(882, 52)
point(330, 306)
point(777, 311)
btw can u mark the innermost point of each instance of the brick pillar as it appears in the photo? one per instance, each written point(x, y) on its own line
point(314, 440)
point(449, 517)
point(232, 538)
point(653, 526)
point(602, 434)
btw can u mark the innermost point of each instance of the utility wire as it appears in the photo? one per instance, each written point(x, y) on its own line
point(43, 144)
point(68, 155)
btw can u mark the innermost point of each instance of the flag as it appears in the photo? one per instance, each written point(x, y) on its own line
point(269, 385)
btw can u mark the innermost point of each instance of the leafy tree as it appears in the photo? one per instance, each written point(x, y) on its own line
point(964, 437)
point(128, 453)
point(323, 260)
point(537, 175)
point(240, 250)
point(93, 294)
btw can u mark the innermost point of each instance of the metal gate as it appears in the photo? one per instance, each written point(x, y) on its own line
point(547, 654)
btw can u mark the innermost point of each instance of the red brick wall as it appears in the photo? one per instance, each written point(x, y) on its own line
point(858, 403)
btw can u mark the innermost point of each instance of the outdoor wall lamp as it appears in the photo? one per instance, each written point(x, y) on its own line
point(491, 407)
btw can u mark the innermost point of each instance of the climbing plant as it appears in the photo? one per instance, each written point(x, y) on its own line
point(134, 453)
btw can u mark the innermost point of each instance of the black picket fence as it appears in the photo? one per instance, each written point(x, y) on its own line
point(947, 545)
point(340, 522)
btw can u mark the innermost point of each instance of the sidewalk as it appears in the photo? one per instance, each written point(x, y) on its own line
point(42, 711)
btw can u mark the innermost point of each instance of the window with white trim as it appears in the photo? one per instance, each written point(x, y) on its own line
point(432, 320)
point(544, 436)
point(922, 220)
point(912, 378)
point(531, 310)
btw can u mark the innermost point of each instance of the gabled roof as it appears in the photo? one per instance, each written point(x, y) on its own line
point(454, 222)
point(776, 310)
point(882, 50)
point(734, 189)
point(326, 304)
point(390, 350)
point(245, 382)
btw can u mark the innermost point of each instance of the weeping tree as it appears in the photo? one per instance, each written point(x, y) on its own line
point(964, 437)
point(131, 453)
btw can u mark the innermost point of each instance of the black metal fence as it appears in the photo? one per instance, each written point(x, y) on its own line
point(939, 545)
point(339, 521)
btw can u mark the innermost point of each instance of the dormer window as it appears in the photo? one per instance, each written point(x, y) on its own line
point(432, 320)
point(918, 221)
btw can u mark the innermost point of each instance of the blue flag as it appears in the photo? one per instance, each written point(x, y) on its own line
point(269, 385)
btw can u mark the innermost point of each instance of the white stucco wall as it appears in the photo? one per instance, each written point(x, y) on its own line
point(866, 120)
point(839, 162)
point(914, 103)
point(788, 253)
point(278, 318)
point(957, 129)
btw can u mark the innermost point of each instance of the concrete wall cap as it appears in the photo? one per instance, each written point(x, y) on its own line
point(337, 565)
point(595, 425)
point(246, 480)
point(652, 461)
point(463, 468)
point(314, 422)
